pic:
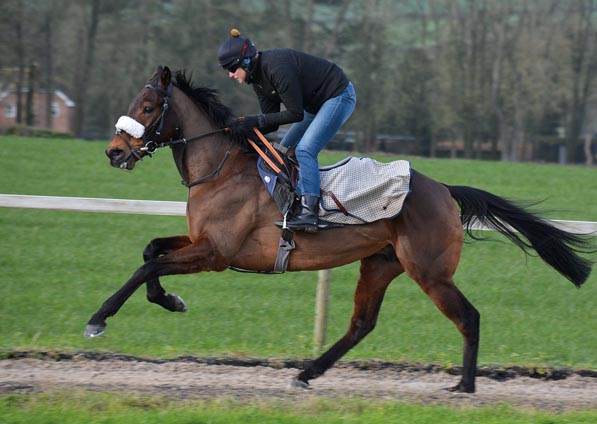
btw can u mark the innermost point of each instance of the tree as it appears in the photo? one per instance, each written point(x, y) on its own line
point(48, 58)
point(335, 33)
point(83, 72)
point(582, 36)
point(20, 56)
point(501, 73)
point(469, 65)
point(366, 62)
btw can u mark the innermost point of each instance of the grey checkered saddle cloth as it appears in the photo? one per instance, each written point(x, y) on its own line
point(360, 190)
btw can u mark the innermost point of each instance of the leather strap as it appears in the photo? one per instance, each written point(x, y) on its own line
point(269, 146)
point(336, 201)
point(286, 245)
point(265, 157)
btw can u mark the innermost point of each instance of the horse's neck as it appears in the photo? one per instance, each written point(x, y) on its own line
point(191, 118)
point(204, 155)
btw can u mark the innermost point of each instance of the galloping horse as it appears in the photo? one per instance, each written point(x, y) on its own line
point(231, 224)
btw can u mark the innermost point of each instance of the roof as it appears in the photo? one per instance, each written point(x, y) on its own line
point(67, 101)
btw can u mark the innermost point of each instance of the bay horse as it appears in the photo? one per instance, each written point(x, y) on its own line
point(231, 217)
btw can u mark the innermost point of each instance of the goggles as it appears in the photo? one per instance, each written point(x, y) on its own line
point(232, 66)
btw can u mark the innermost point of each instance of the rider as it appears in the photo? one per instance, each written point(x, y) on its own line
point(318, 99)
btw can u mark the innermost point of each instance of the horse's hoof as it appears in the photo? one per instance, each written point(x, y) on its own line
point(295, 383)
point(177, 304)
point(94, 330)
point(459, 388)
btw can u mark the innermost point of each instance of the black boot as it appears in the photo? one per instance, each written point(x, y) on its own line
point(306, 220)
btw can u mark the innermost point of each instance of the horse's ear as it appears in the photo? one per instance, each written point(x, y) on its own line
point(155, 75)
point(165, 77)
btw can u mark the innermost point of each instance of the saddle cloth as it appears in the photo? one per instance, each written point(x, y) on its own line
point(360, 190)
point(353, 191)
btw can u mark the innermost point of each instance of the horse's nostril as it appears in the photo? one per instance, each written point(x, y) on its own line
point(114, 153)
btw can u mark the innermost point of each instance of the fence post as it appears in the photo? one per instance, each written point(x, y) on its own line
point(321, 309)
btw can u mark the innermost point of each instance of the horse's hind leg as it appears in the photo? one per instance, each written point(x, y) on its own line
point(456, 307)
point(434, 271)
point(429, 245)
point(155, 291)
point(377, 272)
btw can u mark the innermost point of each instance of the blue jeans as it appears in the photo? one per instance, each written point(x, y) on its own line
point(311, 135)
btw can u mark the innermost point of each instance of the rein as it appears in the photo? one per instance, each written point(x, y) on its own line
point(178, 158)
point(151, 146)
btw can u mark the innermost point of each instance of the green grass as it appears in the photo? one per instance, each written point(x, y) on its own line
point(75, 168)
point(58, 267)
point(92, 408)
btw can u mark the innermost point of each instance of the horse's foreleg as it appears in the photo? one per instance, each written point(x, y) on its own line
point(155, 291)
point(187, 260)
point(97, 324)
point(376, 273)
point(456, 307)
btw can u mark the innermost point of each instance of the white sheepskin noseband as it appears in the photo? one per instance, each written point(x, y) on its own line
point(130, 126)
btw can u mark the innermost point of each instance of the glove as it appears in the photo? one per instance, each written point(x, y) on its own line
point(244, 125)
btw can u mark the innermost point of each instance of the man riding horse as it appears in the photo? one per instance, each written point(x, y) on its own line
point(317, 96)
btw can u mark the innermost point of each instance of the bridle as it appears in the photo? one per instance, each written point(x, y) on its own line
point(151, 145)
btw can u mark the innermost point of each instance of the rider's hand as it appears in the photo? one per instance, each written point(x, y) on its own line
point(244, 125)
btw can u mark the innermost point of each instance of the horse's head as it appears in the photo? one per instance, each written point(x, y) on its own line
point(140, 131)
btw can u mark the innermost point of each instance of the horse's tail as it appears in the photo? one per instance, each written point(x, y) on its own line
point(556, 247)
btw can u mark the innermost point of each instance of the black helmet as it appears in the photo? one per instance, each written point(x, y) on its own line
point(235, 49)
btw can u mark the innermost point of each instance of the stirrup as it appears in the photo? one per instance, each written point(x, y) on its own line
point(307, 227)
point(282, 224)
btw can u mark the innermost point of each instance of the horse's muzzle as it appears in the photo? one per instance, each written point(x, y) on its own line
point(116, 156)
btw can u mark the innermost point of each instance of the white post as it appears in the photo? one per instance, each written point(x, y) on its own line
point(321, 309)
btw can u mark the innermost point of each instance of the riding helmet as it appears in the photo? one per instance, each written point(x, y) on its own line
point(235, 49)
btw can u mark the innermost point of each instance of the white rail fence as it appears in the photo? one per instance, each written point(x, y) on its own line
point(154, 207)
point(157, 207)
point(87, 204)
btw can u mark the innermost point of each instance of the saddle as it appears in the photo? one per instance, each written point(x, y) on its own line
point(356, 190)
point(281, 183)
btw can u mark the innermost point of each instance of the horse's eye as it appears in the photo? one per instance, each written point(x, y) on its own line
point(147, 109)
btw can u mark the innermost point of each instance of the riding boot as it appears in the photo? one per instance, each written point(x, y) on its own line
point(306, 220)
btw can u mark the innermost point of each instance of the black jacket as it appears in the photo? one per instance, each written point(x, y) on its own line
point(298, 80)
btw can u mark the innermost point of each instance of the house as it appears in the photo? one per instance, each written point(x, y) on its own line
point(62, 109)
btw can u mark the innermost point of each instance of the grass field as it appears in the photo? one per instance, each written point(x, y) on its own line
point(92, 408)
point(58, 267)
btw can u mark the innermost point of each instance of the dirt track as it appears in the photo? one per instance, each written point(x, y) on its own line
point(200, 378)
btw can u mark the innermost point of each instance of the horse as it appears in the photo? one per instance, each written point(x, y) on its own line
point(231, 217)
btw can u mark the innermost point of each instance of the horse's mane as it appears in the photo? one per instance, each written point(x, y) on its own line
point(207, 99)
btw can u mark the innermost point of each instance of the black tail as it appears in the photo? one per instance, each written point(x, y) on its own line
point(556, 247)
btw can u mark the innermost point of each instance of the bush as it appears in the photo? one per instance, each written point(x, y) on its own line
point(25, 131)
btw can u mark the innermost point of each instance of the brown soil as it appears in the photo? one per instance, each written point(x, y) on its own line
point(249, 380)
